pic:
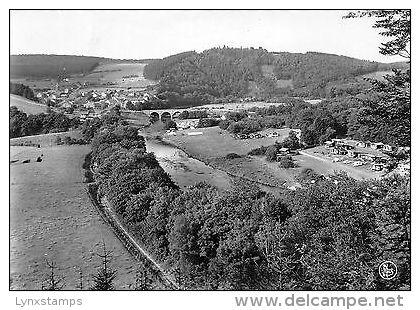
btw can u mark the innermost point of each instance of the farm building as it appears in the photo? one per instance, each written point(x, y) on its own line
point(363, 144)
point(377, 167)
point(197, 133)
point(338, 151)
point(347, 146)
point(352, 153)
point(329, 144)
point(283, 151)
point(376, 146)
point(388, 148)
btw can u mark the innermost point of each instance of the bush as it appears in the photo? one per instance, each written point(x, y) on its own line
point(68, 140)
point(271, 153)
point(232, 156)
point(58, 140)
point(207, 122)
point(89, 176)
point(224, 124)
point(170, 125)
point(258, 151)
point(309, 174)
point(287, 162)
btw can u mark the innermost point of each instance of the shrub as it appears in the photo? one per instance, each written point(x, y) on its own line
point(271, 153)
point(170, 125)
point(207, 122)
point(232, 156)
point(287, 162)
point(258, 151)
point(224, 124)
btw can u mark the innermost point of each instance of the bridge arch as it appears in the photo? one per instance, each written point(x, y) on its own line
point(154, 117)
point(165, 116)
point(176, 114)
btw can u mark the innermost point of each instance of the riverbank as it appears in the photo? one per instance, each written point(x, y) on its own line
point(210, 163)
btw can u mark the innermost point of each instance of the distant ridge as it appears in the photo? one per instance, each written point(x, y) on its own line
point(233, 73)
point(52, 66)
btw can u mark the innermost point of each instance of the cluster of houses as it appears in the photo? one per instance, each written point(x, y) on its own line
point(360, 150)
point(89, 115)
point(75, 98)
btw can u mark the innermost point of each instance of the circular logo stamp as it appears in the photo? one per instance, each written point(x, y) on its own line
point(388, 270)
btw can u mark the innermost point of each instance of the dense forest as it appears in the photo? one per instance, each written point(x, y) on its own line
point(328, 235)
point(230, 73)
point(379, 114)
point(51, 66)
point(22, 124)
point(22, 90)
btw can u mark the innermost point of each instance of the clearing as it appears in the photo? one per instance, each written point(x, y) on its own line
point(115, 75)
point(27, 106)
point(215, 142)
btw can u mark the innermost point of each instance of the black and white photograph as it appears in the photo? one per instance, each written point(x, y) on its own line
point(210, 150)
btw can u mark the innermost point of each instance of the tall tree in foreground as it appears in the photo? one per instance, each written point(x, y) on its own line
point(395, 25)
point(387, 113)
point(104, 279)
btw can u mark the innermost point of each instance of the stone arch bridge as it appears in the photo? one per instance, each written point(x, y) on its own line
point(163, 114)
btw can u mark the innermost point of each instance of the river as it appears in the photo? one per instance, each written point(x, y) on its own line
point(184, 170)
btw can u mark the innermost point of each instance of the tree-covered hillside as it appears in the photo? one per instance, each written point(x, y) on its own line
point(231, 73)
point(51, 66)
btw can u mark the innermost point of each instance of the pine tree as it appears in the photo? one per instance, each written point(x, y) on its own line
point(143, 280)
point(104, 279)
point(53, 282)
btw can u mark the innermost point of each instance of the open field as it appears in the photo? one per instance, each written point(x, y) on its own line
point(27, 106)
point(328, 167)
point(105, 76)
point(117, 75)
point(215, 142)
point(44, 140)
point(51, 217)
point(378, 75)
point(35, 83)
point(253, 168)
point(257, 168)
point(235, 106)
point(268, 71)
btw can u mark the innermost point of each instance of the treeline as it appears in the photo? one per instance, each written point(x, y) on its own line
point(379, 114)
point(330, 235)
point(312, 72)
point(22, 90)
point(230, 73)
point(193, 114)
point(51, 66)
point(157, 68)
point(21, 124)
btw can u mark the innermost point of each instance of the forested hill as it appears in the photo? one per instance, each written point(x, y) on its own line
point(241, 72)
point(22, 66)
point(52, 66)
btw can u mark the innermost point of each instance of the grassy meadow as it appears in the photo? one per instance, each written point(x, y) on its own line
point(52, 218)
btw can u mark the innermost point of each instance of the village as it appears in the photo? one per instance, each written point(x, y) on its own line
point(78, 100)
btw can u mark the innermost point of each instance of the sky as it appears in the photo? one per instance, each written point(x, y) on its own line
point(157, 34)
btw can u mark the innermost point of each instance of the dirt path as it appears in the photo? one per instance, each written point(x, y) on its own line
point(114, 217)
point(326, 166)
